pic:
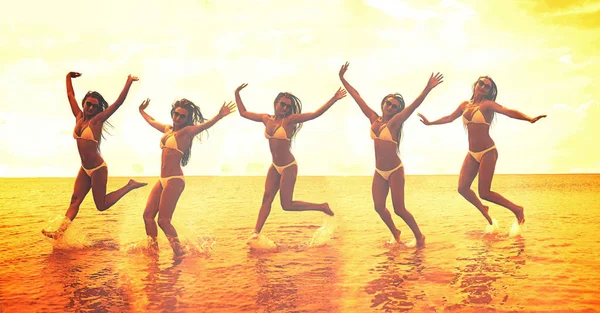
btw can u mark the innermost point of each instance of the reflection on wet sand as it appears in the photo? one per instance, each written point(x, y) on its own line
point(397, 284)
point(160, 286)
point(83, 286)
point(487, 278)
point(277, 290)
point(289, 284)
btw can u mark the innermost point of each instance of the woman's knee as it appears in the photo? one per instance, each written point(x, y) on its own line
point(164, 222)
point(400, 210)
point(267, 199)
point(379, 208)
point(463, 189)
point(286, 204)
point(76, 199)
point(101, 207)
point(485, 194)
point(148, 217)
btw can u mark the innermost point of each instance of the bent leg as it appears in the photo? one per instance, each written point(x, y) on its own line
point(380, 190)
point(397, 182)
point(104, 201)
point(80, 190)
point(151, 210)
point(468, 172)
point(168, 201)
point(486, 174)
point(271, 188)
point(286, 194)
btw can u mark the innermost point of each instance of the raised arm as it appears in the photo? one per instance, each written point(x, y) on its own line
point(301, 118)
point(401, 117)
point(225, 110)
point(161, 127)
point(257, 117)
point(104, 115)
point(446, 119)
point(71, 95)
point(369, 113)
point(513, 113)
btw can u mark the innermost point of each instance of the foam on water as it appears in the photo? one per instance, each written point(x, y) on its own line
point(324, 234)
point(260, 242)
point(145, 246)
point(199, 246)
point(516, 229)
point(492, 229)
point(70, 238)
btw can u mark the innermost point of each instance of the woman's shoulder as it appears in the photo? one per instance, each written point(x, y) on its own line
point(465, 103)
point(488, 104)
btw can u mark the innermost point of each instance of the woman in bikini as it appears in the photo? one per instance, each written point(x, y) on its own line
point(477, 115)
point(280, 129)
point(176, 145)
point(386, 131)
point(93, 174)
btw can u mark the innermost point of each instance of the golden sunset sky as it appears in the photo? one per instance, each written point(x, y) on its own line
point(543, 55)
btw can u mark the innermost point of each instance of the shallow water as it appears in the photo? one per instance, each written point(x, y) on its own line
point(100, 267)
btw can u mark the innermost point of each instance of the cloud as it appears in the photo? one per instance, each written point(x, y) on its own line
point(581, 14)
point(575, 147)
point(567, 59)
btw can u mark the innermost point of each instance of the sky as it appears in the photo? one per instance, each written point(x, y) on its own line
point(543, 56)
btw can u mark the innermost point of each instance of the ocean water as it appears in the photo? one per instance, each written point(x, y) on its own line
point(551, 266)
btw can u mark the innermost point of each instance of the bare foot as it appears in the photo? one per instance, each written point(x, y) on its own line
point(327, 210)
point(396, 235)
point(252, 237)
point(179, 254)
point(421, 241)
point(135, 184)
point(52, 234)
point(520, 215)
point(484, 211)
point(152, 248)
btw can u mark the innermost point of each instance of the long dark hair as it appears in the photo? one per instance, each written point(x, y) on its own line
point(400, 100)
point(296, 109)
point(492, 94)
point(102, 105)
point(194, 117)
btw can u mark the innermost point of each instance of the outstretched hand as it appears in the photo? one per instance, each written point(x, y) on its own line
point(227, 109)
point(343, 69)
point(434, 80)
point(339, 94)
point(535, 119)
point(240, 87)
point(132, 78)
point(144, 104)
point(74, 74)
point(424, 120)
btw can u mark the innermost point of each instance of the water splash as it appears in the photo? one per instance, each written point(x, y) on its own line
point(392, 242)
point(146, 246)
point(260, 242)
point(516, 229)
point(324, 234)
point(65, 234)
point(199, 246)
point(492, 229)
point(411, 244)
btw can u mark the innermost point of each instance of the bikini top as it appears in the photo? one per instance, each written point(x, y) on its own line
point(86, 134)
point(279, 133)
point(476, 118)
point(168, 141)
point(384, 133)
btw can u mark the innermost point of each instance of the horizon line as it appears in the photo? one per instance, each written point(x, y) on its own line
point(371, 175)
